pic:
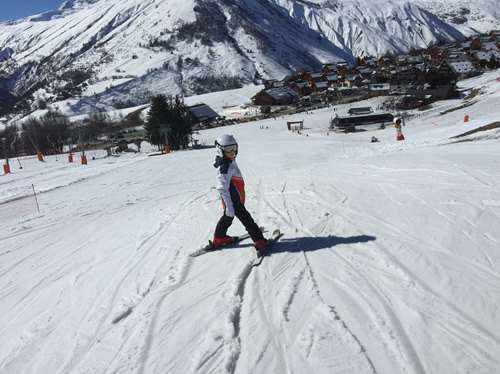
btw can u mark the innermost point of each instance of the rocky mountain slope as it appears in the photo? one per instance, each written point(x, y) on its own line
point(118, 52)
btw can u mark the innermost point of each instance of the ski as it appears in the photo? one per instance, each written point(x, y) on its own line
point(275, 237)
point(209, 247)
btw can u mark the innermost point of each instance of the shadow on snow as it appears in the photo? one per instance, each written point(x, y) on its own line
point(309, 244)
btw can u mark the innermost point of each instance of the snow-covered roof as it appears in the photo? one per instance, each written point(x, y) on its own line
point(415, 59)
point(489, 46)
point(365, 70)
point(281, 92)
point(301, 84)
point(379, 87)
point(483, 55)
point(360, 110)
point(462, 67)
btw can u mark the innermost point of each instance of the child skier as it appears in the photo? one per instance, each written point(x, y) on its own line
point(232, 190)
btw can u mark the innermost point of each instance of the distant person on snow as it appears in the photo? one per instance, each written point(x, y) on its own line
point(399, 132)
point(232, 190)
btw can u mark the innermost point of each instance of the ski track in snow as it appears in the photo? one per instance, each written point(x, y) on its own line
point(316, 289)
point(162, 284)
point(419, 287)
point(286, 217)
point(292, 291)
point(145, 248)
point(103, 306)
point(406, 354)
point(224, 337)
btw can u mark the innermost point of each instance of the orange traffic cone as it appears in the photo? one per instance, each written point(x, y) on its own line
point(466, 118)
point(6, 168)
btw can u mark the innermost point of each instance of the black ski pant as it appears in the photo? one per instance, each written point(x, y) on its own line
point(246, 219)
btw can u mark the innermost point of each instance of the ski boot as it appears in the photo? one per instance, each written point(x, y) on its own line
point(260, 245)
point(222, 242)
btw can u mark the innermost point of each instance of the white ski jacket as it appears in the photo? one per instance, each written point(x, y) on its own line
point(230, 184)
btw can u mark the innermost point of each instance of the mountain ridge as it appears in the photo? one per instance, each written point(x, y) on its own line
point(195, 46)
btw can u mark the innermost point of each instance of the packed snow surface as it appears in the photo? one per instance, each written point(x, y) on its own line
point(390, 260)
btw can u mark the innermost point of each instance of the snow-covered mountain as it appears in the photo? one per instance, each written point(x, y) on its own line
point(123, 50)
point(467, 16)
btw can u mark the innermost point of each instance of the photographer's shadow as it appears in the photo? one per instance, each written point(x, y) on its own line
point(309, 244)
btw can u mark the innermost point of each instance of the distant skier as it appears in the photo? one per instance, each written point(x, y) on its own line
point(399, 132)
point(232, 190)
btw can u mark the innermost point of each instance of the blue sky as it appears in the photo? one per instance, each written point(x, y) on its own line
point(15, 9)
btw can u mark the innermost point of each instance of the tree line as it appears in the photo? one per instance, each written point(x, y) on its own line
point(49, 133)
point(168, 122)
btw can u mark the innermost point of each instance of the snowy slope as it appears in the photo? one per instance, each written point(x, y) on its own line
point(130, 49)
point(390, 261)
point(478, 16)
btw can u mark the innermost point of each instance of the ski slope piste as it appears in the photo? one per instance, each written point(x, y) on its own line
point(389, 260)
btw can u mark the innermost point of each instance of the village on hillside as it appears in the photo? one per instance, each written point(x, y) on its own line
point(417, 78)
point(409, 81)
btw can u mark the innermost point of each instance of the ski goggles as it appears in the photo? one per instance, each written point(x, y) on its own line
point(230, 148)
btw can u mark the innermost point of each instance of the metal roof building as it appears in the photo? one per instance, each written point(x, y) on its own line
point(201, 113)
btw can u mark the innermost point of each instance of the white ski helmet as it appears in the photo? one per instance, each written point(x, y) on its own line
point(226, 143)
point(397, 119)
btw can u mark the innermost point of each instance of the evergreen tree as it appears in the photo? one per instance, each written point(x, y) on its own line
point(179, 124)
point(169, 122)
point(157, 117)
